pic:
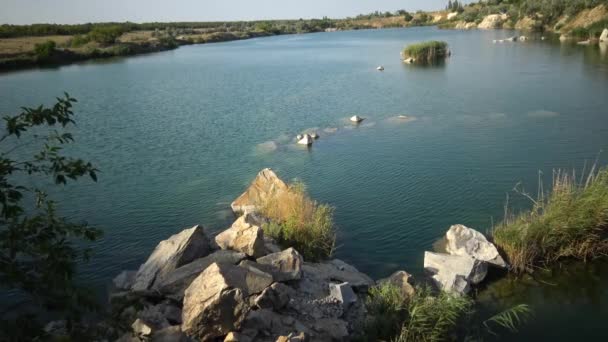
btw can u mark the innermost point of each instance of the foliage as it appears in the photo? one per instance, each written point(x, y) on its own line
point(300, 222)
point(509, 319)
point(569, 221)
point(387, 310)
point(39, 249)
point(106, 34)
point(44, 51)
point(426, 52)
point(79, 40)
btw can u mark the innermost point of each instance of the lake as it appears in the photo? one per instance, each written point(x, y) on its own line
point(178, 135)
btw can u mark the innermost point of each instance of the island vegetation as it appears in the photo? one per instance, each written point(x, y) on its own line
point(430, 52)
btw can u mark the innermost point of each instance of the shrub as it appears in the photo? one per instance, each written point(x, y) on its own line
point(569, 221)
point(79, 40)
point(299, 222)
point(106, 34)
point(387, 308)
point(426, 52)
point(44, 51)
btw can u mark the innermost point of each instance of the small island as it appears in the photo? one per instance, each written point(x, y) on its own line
point(430, 52)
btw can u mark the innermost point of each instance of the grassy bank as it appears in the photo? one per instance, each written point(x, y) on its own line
point(299, 222)
point(571, 221)
point(429, 52)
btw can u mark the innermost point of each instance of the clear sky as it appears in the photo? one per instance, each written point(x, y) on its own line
point(82, 11)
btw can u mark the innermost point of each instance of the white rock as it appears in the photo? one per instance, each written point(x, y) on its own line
point(523, 38)
point(140, 328)
point(245, 235)
point(178, 250)
point(343, 293)
point(452, 15)
point(462, 240)
point(604, 36)
point(409, 60)
point(356, 119)
point(491, 21)
point(306, 140)
point(380, 68)
point(454, 273)
point(314, 136)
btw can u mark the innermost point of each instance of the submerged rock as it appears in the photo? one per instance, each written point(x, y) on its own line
point(266, 185)
point(170, 254)
point(356, 119)
point(604, 35)
point(454, 273)
point(306, 140)
point(245, 235)
point(462, 240)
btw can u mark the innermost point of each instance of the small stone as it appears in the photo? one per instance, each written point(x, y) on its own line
point(140, 328)
point(343, 293)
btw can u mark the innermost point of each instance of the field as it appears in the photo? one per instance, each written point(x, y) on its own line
point(16, 46)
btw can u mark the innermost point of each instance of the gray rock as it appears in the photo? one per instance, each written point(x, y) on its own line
point(402, 280)
point(274, 297)
point(237, 337)
point(454, 273)
point(269, 323)
point(216, 302)
point(125, 280)
point(333, 329)
point(464, 241)
point(161, 315)
point(293, 337)
point(319, 274)
point(285, 265)
point(245, 235)
point(141, 328)
point(178, 250)
point(342, 293)
point(271, 245)
point(175, 282)
point(57, 328)
point(170, 334)
point(265, 186)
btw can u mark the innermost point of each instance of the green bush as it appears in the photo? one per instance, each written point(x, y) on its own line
point(44, 51)
point(426, 52)
point(106, 34)
point(79, 40)
point(569, 221)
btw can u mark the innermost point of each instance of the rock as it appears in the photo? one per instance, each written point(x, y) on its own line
point(492, 21)
point(454, 273)
point(175, 282)
point(216, 301)
point(125, 280)
point(274, 297)
point(334, 328)
point(314, 136)
point(293, 337)
point(299, 137)
point(584, 42)
point(170, 334)
point(604, 35)
point(452, 15)
point(270, 323)
point(356, 119)
point(461, 240)
point(271, 245)
point(511, 39)
point(401, 280)
point(237, 337)
point(285, 265)
point(306, 140)
point(523, 38)
point(161, 315)
point(141, 329)
point(380, 68)
point(170, 254)
point(409, 60)
point(265, 186)
point(342, 293)
point(245, 235)
point(57, 328)
point(316, 275)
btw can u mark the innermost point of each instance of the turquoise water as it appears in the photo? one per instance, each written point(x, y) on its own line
point(178, 135)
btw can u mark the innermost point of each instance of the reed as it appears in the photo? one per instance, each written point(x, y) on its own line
point(426, 52)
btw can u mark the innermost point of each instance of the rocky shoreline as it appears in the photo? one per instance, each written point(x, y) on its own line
point(242, 286)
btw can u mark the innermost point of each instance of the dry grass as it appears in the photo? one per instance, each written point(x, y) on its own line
point(300, 222)
point(570, 221)
point(18, 46)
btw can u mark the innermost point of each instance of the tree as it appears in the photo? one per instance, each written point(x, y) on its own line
point(44, 51)
point(39, 249)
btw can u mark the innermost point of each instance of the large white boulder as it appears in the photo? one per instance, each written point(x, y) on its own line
point(306, 140)
point(465, 241)
point(454, 273)
point(265, 186)
point(492, 21)
point(356, 119)
point(178, 250)
point(217, 301)
point(245, 235)
point(604, 36)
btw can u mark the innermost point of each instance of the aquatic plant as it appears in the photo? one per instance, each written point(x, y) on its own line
point(426, 52)
point(298, 221)
point(387, 308)
point(569, 221)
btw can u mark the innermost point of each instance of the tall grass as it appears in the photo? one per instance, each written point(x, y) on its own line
point(569, 221)
point(426, 52)
point(298, 221)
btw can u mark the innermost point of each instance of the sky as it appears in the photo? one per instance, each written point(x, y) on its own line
point(83, 11)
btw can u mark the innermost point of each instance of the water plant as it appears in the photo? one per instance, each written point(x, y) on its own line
point(299, 222)
point(571, 220)
point(426, 52)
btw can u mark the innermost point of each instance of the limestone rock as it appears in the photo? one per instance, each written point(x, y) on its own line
point(141, 329)
point(492, 21)
point(342, 293)
point(245, 235)
point(124, 280)
point(401, 280)
point(170, 254)
point(170, 334)
point(274, 297)
point(216, 301)
point(454, 273)
point(465, 241)
point(409, 60)
point(285, 265)
point(604, 36)
point(237, 337)
point(270, 323)
point(452, 15)
point(293, 337)
point(264, 186)
point(161, 315)
point(271, 245)
point(356, 119)
point(335, 270)
point(176, 281)
point(334, 328)
point(306, 140)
